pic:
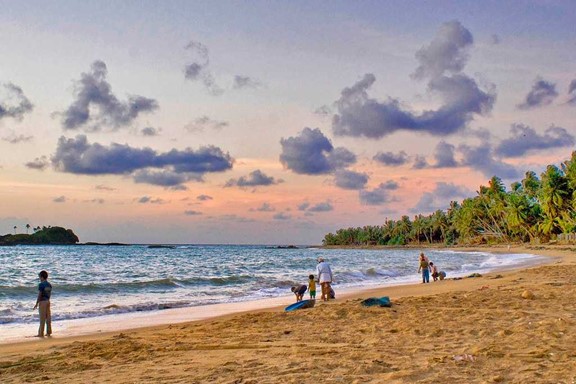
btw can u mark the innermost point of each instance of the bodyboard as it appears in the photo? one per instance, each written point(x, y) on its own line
point(300, 305)
point(377, 301)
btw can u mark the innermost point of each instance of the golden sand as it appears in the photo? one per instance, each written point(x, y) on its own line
point(503, 327)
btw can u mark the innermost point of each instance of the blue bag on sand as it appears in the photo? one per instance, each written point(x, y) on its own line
point(379, 301)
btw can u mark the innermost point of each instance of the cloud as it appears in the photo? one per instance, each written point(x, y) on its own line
point(359, 115)
point(542, 93)
point(192, 213)
point(255, 179)
point(16, 139)
point(379, 195)
point(391, 159)
point(482, 158)
point(59, 199)
point(321, 207)
point(495, 39)
point(311, 153)
point(13, 103)
point(246, 82)
point(101, 187)
point(164, 178)
point(350, 180)
point(204, 198)
point(204, 122)
point(39, 163)
point(149, 200)
point(572, 92)
point(150, 131)
point(444, 155)
point(198, 69)
point(95, 201)
point(265, 207)
point(281, 216)
point(524, 139)
point(420, 162)
point(304, 206)
point(440, 197)
point(448, 52)
point(96, 106)
point(77, 156)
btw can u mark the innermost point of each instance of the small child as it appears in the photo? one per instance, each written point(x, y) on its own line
point(299, 291)
point(312, 287)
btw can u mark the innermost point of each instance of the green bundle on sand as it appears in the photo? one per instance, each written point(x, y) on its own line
point(377, 301)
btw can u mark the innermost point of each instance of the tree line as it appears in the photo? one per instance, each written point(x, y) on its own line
point(534, 209)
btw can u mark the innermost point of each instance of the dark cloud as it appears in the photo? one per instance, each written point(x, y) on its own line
point(192, 213)
point(265, 207)
point(204, 197)
point(390, 185)
point(59, 199)
point(350, 180)
point(164, 178)
point(324, 111)
point(304, 206)
point(359, 115)
point(95, 106)
point(444, 155)
point(572, 92)
point(542, 93)
point(95, 201)
point(17, 139)
point(321, 207)
point(391, 159)
point(379, 195)
point(198, 69)
point(482, 158)
point(150, 131)
point(448, 52)
point(80, 157)
point(149, 200)
point(244, 82)
point(523, 139)
point(255, 179)
point(39, 163)
point(420, 162)
point(440, 197)
point(281, 216)
point(311, 153)
point(204, 122)
point(13, 103)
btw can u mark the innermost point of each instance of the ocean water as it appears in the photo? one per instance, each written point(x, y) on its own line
point(92, 281)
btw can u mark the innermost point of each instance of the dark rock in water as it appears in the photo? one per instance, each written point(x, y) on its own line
point(105, 244)
point(287, 247)
point(161, 246)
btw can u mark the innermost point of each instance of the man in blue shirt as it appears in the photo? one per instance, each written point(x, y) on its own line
point(43, 304)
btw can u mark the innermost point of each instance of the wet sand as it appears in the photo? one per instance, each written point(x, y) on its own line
point(504, 327)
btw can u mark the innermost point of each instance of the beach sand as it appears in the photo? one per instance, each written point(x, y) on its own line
point(504, 327)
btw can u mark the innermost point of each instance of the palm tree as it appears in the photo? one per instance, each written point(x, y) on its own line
point(15, 229)
point(27, 228)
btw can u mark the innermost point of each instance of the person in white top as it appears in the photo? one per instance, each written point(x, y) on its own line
point(325, 277)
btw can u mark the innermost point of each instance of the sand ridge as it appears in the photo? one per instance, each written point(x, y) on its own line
point(475, 330)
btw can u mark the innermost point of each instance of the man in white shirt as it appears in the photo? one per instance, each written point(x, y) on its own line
point(325, 277)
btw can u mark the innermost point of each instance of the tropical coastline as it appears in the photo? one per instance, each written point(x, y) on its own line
point(508, 326)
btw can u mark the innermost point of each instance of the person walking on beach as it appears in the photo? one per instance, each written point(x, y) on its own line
point(43, 304)
point(424, 268)
point(312, 287)
point(325, 277)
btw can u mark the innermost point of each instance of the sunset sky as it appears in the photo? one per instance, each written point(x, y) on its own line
point(260, 122)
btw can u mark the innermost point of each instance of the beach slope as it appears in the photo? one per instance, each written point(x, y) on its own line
point(506, 327)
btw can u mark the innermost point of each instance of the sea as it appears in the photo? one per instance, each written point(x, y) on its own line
point(92, 281)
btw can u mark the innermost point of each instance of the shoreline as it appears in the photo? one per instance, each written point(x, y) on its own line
point(122, 322)
point(512, 326)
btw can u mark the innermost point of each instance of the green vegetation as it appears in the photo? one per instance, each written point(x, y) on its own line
point(44, 235)
point(533, 210)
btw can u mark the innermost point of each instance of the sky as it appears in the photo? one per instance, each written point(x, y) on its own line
point(270, 122)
